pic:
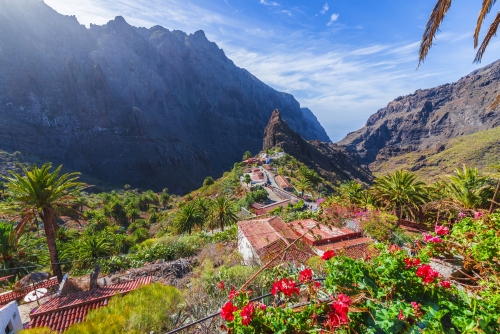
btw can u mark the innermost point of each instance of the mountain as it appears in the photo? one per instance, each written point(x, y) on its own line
point(149, 107)
point(331, 161)
point(428, 121)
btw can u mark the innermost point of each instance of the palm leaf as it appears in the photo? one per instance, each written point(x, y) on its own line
point(435, 20)
point(485, 10)
point(491, 32)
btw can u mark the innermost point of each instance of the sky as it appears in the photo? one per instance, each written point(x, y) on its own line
point(343, 59)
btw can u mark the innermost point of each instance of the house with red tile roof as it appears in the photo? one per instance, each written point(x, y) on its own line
point(260, 240)
point(283, 183)
point(260, 209)
point(9, 296)
point(322, 238)
point(61, 312)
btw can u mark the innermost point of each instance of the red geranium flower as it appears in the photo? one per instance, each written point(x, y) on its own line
point(332, 321)
point(227, 311)
point(401, 316)
point(246, 314)
point(328, 255)
point(427, 273)
point(445, 284)
point(285, 285)
point(305, 275)
point(441, 230)
point(232, 293)
point(411, 262)
point(341, 306)
point(221, 285)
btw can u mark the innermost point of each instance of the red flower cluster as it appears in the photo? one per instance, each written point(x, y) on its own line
point(441, 230)
point(221, 285)
point(338, 316)
point(416, 309)
point(232, 293)
point(427, 273)
point(246, 314)
point(328, 255)
point(430, 238)
point(227, 311)
point(285, 285)
point(401, 316)
point(445, 284)
point(305, 275)
point(411, 262)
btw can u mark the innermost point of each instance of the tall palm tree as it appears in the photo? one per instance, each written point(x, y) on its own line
point(223, 213)
point(188, 217)
point(401, 192)
point(40, 193)
point(302, 184)
point(437, 17)
point(467, 189)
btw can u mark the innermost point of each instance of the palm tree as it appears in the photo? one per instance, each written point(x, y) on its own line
point(42, 194)
point(223, 212)
point(187, 218)
point(467, 189)
point(13, 252)
point(437, 17)
point(247, 155)
point(401, 192)
point(247, 179)
point(302, 184)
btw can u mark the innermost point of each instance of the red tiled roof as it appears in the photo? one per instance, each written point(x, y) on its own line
point(7, 297)
point(257, 176)
point(355, 248)
point(62, 312)
point(283, 182)
point(270, 236)
point(320, 233)
point(263, 209)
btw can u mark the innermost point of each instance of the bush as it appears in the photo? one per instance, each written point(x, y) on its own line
point(208, 181)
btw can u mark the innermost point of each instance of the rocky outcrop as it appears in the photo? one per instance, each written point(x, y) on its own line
point(331, 161)
point(149, 107)
point(428, 118)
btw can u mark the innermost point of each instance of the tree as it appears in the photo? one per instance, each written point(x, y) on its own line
point(187, 218)
point(302, 184)
point(437, 17)
point(222, 212)
point(467, 189)
point(208, 181)
point(42, 194)
point(163, 198)
point(247, 179)
point(401, 192)
point(247, 155)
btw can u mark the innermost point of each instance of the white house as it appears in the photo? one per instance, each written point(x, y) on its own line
point(10, 319)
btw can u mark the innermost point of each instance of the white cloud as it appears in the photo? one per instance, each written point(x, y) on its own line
point(333, 18)
point(272, 3)
point(325, 8)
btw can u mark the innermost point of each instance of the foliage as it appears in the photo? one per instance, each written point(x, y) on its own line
point(223, 212)
point(188, 217)
point(208, 181)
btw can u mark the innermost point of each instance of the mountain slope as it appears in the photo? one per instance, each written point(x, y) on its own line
point(331, 161)
point(428, 118)
point(149, 107)
point(480, 149)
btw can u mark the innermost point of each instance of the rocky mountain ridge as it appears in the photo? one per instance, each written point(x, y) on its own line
point(152, 108)
point(331, 161)
point(428, 119)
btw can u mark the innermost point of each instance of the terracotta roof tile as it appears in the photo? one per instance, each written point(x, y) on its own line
point(62, 312)
point(283, 182)
point(321, 234)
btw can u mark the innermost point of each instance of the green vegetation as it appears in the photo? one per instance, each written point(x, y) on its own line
point(479, 150)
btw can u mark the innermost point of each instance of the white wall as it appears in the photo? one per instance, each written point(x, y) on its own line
point(246, 250)
point(10, 317)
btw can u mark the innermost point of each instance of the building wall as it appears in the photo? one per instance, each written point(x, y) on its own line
point(10, 318)
point(246, 250)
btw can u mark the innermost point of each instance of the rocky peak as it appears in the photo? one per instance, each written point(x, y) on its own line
point(330, 160)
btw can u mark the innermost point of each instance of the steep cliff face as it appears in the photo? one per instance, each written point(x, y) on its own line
point(150, 107)
point(331, 161)
point(428, 118)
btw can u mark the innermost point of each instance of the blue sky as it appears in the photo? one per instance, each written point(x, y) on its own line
point(343, 59)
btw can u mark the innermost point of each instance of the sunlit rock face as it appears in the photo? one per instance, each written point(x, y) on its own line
point(149, 107)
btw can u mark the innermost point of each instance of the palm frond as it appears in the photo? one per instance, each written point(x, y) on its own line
point(437, 16)
point(485, 10)
point(492, 31)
